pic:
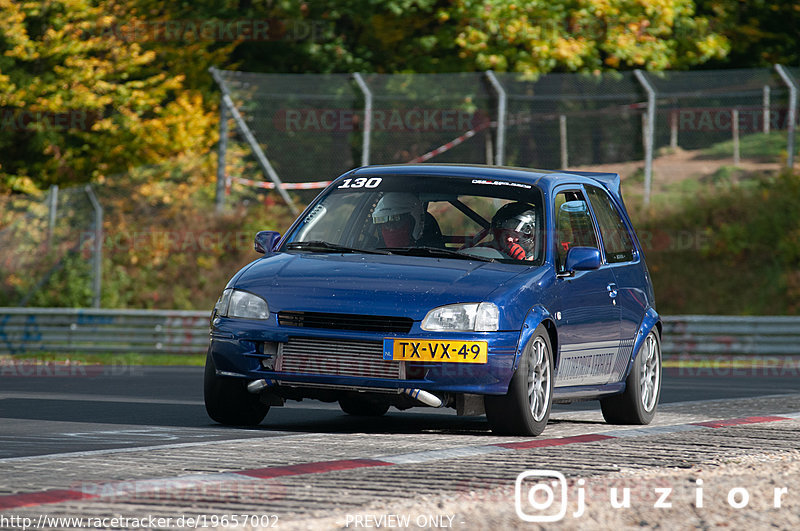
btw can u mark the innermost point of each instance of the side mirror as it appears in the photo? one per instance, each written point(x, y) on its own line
point(582, 259)
point(265, 241)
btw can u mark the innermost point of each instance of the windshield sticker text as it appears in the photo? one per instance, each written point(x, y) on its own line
point(500, 183)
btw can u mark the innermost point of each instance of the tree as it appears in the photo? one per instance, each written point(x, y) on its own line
point(762, 33)
point(584, 35)
point(534, 37)
point(82, 97)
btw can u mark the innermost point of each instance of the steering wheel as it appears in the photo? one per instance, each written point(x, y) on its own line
point(483, 252)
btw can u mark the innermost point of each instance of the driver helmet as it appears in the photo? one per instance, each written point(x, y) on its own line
point(398, 214)
point(518, 219)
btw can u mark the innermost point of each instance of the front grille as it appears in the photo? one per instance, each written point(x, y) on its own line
point(344, 321)
point(337, 358)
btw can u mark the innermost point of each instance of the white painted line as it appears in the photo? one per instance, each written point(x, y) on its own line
point(162, 485)
point(91, 453)
point(662, 405)
point(436, 455)
point(96, 398)
point(660, 430)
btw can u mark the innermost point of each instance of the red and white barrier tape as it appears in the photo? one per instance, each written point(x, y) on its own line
point(453, 143)
point(285, 186)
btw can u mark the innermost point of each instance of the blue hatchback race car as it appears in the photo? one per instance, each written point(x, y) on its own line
point(485, 289)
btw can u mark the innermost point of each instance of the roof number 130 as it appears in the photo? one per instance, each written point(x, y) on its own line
point(361, 182)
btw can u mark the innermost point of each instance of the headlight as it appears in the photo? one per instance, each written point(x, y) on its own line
point(473, 317)
point(234, 303)
point(221, 308)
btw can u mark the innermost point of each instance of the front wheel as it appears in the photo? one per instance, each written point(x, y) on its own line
point(637, 405)
point(525, 409)
point(228, 401)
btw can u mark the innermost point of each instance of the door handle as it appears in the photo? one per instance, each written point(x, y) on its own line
point(612, 290)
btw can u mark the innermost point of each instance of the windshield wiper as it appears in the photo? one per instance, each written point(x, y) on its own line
point(322, 246)
point(435, 252)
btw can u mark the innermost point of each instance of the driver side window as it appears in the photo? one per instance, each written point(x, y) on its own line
point(574, 227)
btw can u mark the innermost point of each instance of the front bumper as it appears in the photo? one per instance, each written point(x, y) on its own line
point(353, 360)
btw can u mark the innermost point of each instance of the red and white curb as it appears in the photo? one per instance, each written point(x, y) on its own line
point(98, 491)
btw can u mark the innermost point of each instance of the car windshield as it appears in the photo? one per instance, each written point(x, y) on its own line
point(430, 216)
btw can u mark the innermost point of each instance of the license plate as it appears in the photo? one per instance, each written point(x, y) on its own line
point(438, 351)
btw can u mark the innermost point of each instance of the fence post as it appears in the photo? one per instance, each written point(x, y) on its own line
point(787, 78)
point(766, 98)
point(221, 157)
point(97, 254)
point(263, 161)
point(735, 131)
point(673, 129)
point(366, 142)
point(53, 208)
point(499, 158)
point(562, 133)
point(651, 129)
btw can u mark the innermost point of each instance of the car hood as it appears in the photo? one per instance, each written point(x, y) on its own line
point(375, 284)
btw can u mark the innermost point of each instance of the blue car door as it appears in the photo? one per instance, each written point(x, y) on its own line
point(629, 271)
point(585, 308)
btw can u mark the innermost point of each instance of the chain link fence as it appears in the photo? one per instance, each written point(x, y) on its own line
point(309, 128)
point(567, 120)
point(313, 127)
point(44, 237)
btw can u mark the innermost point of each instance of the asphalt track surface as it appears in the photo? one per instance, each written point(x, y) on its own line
point(77, 410)
point(134, 444)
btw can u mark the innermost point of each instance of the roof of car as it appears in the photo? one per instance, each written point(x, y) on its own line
point(543, 178)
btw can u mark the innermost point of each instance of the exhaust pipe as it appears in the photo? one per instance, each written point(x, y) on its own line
point(429, 399)
point(256, 386)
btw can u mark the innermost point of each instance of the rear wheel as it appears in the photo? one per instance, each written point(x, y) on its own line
point(228, 401)
point(525, 409)
point(362, 408)
point(637, 405)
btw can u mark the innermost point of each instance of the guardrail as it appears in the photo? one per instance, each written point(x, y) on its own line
point(731, 335)
point(30, 330)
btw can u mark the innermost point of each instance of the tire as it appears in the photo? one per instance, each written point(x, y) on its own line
point(638, 404)
point(525, 409)
point(228, 401)
point(362, 408)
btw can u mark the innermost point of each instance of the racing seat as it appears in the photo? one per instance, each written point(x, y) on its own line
point(431, 233)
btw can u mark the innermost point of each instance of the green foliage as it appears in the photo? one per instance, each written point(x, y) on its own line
point(533, 37)
point(80, 99)
point(70, 285)
point(590, 35)
point(760, 146)
point(761, 33)
point(163, 244)
point(732, 248)
point(90, 89)
point(85, 96)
